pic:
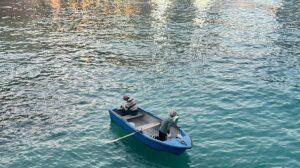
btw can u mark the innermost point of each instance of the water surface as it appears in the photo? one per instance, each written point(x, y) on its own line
point(230, 69)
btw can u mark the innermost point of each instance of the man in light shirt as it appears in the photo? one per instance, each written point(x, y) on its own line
point(130, 106)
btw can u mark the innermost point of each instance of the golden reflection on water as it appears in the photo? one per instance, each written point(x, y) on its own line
point(86, 4)
point(108, 7)
point(56, 6)
point(81, 14)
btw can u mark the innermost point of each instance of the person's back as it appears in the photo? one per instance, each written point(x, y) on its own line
point(166, 124)
point(130, 107)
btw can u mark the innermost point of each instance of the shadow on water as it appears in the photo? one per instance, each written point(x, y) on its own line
point(149, 156)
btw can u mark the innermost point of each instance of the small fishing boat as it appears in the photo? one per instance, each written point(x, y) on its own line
point(177, 143)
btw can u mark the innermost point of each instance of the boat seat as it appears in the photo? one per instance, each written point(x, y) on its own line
point(128, 117)
point(148, 126)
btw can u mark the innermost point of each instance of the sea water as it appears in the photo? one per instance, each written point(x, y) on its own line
point(229, 68)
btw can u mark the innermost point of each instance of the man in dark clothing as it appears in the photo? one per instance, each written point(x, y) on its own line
point(166, 124)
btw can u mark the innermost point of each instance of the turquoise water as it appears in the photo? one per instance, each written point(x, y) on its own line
point(230, 69)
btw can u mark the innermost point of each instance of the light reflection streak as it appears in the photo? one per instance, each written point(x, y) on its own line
point(201, 6)
point(159, 23)
point(160, 18)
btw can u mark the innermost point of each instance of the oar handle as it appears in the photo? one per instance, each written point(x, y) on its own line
point(128, 135)
point(115, 140)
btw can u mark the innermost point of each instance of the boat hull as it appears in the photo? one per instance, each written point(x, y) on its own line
point(155, 144)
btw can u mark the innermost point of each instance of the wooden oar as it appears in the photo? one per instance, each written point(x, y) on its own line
point(115, 140)
point(140, 129)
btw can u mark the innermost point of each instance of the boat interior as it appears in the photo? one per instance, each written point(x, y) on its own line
point(149, 124)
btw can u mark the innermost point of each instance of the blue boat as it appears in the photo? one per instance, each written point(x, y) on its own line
point(177, 143)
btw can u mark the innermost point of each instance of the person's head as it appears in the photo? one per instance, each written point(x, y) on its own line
point(126, 98)
point(173, 113)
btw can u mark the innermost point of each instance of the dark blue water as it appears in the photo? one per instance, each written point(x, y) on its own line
point(230, 68)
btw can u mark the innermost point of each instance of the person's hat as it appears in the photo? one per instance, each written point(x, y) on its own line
point(173, 113)
point(126, 97)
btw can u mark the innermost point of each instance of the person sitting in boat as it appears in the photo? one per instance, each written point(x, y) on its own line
point(130, 107)
point(164, 130)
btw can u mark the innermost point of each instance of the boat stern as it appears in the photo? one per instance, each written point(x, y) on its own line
point(188, 142)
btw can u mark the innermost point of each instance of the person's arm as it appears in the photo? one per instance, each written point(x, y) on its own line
point(174, 124)
point(131, 104)
point(124, 106)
